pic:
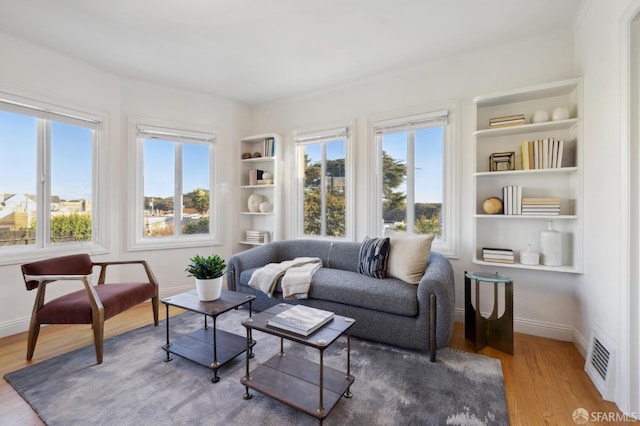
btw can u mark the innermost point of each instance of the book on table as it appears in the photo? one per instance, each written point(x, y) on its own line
point(301, 319)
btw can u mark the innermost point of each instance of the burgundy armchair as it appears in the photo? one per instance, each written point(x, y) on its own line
point(92, 305)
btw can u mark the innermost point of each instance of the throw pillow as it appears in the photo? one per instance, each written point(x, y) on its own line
point(408, 256)
point(373, 257)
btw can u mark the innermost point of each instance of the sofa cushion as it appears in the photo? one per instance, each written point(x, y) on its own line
point(351, 288)
point(408, 256)
point(373, 257)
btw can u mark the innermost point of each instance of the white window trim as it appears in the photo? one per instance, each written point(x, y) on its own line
point(135, 239)
point(312, 134)
point(63, 111)
point(448, 243)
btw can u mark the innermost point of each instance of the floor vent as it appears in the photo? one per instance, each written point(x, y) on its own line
point(599, 361)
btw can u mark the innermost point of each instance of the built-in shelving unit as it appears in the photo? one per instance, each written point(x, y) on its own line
point(517, 231)
point(263, 152)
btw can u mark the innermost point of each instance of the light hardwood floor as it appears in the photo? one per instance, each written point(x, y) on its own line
point(545, 380)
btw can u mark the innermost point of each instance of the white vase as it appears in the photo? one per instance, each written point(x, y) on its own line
point(560, 113)
point(209, 289)
point(551, 244)
point(265, 207)
point(540, 116)
point(254, 202)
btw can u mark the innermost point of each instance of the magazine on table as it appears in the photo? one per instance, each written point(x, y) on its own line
point(301, 319)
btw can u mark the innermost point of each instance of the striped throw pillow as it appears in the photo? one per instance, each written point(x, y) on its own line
point(374, 253)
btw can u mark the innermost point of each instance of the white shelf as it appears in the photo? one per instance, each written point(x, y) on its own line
point(525, 217)
point(559, 170)
point(258, 159)
point(526, 128)
point(268, 221)
point(516, 232)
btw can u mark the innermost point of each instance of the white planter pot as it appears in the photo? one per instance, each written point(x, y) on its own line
point(209, 290)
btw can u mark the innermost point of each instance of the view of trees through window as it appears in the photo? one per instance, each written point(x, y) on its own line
point(419, 151)
point(324, 189)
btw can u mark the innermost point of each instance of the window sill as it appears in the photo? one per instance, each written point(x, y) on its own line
point(166, 243)
point(16, 256)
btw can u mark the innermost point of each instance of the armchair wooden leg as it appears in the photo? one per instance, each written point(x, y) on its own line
point(154, 306)
point(34, 331)
point(98, 338)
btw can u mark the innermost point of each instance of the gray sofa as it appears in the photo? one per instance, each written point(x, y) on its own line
point(386, 310)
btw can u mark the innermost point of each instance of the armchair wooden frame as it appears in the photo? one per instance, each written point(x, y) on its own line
point(124, 297)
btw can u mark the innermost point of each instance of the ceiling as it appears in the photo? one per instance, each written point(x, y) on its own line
point(259, 51)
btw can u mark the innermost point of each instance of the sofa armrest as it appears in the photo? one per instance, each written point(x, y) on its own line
point(252, 258)
point(438, 280)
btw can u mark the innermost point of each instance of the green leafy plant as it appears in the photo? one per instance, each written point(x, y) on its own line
point(205, 268)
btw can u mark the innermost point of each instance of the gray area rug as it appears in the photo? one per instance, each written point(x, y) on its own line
point(134, 386)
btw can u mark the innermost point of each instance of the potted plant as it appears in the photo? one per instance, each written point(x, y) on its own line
point(208, 273)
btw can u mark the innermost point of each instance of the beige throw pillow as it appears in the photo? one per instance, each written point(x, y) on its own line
point(408, 256)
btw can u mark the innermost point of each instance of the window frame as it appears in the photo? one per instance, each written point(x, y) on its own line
point(178, 133)
point(447, 244)
point(45, 111)
point(318, 134)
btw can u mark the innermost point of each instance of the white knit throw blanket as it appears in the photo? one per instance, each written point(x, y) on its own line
point(296, 281)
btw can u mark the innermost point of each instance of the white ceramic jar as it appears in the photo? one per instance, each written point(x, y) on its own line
point(551, 244)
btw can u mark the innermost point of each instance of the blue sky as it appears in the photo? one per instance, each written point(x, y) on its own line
point(70, 157)
point(159, 167)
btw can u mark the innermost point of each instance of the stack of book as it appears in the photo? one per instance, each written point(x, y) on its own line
point(512, 199)
point(542, 154)
point(507, 121)
point(301, 319)
point(498, 255)
point(541, 206)
point(258, 237)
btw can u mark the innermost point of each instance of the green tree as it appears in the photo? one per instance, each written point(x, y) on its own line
point(394, 174)
point(200, 226)
point(72, 227)
point(200, 199)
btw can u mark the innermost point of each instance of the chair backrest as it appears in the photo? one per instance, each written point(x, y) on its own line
point(75, 264)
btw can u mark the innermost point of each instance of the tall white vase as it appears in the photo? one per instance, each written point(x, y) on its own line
point(210, 289)
point(551, 243)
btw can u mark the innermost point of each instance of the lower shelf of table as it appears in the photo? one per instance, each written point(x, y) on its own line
point(296, 382)
point(197, 346)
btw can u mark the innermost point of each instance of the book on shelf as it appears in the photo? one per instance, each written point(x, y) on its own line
point(497, 251)
point(541, 200)
point(301, 319)
point(499, 260)
point(254, 176)
point(506, 124)
point(512, 199)
point(542, 154)
point(506, 118)
point(498, 256)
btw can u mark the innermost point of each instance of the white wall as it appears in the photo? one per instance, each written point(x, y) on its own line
point(604, 289)
point(545, 303)
point(29, 69)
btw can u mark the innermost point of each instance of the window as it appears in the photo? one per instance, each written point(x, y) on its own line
point(323, 185)
point(48, 177)
point(415, 175)
point(175, 173)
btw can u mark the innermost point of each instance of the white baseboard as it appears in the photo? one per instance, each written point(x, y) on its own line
point(538, 328)
point(21, 325)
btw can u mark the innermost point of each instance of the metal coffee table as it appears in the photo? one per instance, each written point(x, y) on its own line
point(302, 384)
point(210, 348)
